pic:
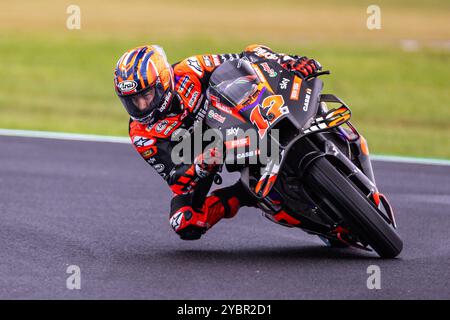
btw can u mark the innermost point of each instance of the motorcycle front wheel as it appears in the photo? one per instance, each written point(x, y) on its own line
point(331, 186)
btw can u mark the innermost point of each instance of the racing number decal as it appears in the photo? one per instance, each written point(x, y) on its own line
point(257, 119)
point(276, 108)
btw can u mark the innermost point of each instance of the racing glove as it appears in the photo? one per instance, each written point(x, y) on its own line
point(303, 65)
point(208, 162)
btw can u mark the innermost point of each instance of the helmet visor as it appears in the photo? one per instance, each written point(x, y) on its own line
point(140, 106)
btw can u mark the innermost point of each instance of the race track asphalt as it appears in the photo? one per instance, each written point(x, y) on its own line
point(100, 207)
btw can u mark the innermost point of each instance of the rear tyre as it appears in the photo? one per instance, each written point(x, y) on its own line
point(327, 183)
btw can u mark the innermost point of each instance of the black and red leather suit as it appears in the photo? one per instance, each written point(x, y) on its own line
point(192, 211)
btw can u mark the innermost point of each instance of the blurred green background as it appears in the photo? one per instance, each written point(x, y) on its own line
point(396, 79)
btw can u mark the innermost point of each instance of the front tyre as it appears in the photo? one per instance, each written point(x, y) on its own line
point(328, 184)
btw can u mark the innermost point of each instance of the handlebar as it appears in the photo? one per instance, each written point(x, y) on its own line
point(317, 74)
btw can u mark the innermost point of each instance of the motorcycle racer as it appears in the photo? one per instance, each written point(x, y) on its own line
point(161, 99)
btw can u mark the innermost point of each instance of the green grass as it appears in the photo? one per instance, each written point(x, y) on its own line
point(400, 100)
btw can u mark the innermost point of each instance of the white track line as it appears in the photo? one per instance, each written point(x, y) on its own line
point(413, 160)
point(63, 136)
point(113, 139)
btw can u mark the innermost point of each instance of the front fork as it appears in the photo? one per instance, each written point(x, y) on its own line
point(363, 175)
point(359, 149)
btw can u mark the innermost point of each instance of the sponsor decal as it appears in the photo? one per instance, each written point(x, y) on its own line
point(191, 86)
point(149, 127)
point(159, 167)
point(198, 103)
point(195, 65)
point(264, 53)
point(247, 154)
point(307, 98)
point(207, 61)
point(232, 131)
point(161, 126)
point(223, 108)
point(239, 143)
point(269, 70)
point(151, 160)
point(193, 99)
point(295, 91)
point(142, 141)
point(169, 128)
point(165, 104)
point(216, 60)
point(127, 86)
point(148, 153)
point(216, 116)
point(183, 83)
point(175, 221)
point(284, 83)
point(216, 102)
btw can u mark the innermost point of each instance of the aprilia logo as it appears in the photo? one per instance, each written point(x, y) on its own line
point(165, 104)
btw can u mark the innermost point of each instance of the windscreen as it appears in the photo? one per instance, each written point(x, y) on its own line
point(235, 81)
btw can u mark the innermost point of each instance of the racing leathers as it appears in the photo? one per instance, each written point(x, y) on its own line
point(192, 210)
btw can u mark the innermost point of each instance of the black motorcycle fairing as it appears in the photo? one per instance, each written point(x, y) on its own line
point(234, 82)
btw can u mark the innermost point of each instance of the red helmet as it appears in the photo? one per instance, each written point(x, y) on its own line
point(144, 83)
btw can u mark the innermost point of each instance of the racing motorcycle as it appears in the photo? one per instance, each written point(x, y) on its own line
point(321, 179)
